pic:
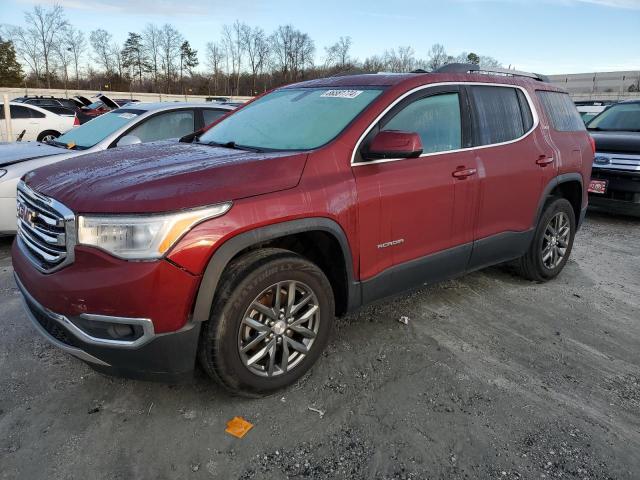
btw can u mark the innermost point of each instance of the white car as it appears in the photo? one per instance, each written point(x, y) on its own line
point(129, 125)
point(29, 122)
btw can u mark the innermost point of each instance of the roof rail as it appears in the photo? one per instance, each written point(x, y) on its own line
point(473, 68)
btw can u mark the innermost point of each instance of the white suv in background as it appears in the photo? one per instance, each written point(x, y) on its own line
point(29, 122)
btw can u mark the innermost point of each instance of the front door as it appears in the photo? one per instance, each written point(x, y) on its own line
point(416, 215)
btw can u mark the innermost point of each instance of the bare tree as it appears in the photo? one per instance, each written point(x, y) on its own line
point(47, 25)
point(118, 59)
point(27, 47)
point(64, 55)
point(402, 61)
point(257, 48)
point(232, 39)
point(215, 57)
point(151, 42)
point(101, 43)
point(293, 51)
point(169, 44)
point(374, 64)
point(437, 57)
point(76, 44)
point(337, 55)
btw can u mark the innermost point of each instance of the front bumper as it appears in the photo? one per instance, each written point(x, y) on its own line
point(166, 357)
point(622, 194)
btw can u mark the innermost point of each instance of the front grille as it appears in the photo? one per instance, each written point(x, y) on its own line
point(46, 229)
point(54, 329)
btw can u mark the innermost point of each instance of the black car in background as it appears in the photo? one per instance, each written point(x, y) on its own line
point(615, 179)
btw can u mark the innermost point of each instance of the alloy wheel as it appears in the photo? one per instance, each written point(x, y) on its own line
point(556, 240)
point(279, 328)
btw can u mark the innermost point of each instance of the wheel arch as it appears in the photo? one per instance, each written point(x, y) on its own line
point(567, 185)
point(296, 236)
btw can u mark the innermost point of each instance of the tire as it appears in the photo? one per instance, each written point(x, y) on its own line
point(235, 325)
point(48, 135)
point(538, 263)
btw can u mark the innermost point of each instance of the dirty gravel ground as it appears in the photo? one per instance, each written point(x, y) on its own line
point(493, 377)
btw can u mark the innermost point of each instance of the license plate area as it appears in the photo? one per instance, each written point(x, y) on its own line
point(598, 186)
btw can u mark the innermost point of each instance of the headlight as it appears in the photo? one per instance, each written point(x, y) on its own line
point(2, 173)
point(142, 237)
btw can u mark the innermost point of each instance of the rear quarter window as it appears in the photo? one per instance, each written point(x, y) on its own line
point(561, 111)
point(501, 114)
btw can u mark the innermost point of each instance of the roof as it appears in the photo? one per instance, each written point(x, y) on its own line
point(150, 106)
point(394, 79)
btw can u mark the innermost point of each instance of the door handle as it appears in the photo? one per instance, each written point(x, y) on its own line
point(543, 160)
point(461, 173)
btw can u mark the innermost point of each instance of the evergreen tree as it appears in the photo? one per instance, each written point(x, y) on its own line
point(10, 69)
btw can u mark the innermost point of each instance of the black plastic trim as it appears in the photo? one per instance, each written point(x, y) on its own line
point(415, 273)
point(224, 254)
point(553, 183)
point(499, 248)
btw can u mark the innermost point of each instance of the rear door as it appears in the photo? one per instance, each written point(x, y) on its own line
point(25, 119)
point(414, 214)
point(515, 162)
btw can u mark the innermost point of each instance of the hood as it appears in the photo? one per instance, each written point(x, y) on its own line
point(108, 102)
point(618, 142)
point(164, 176)
point(17, 152)
point(83, 100)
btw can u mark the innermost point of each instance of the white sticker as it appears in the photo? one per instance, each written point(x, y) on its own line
point(341, 93)
point(127, 116)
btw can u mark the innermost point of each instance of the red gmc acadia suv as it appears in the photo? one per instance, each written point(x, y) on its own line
point(241, 247)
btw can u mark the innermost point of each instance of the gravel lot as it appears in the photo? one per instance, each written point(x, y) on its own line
point(493, 377)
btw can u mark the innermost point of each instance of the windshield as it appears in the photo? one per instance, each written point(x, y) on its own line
point(291, 119)
point(620, 117)
point(96, 130)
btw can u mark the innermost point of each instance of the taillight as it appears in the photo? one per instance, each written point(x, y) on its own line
point(76, 122)
point(593, 144)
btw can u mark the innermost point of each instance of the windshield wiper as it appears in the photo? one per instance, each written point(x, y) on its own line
point(234, 146)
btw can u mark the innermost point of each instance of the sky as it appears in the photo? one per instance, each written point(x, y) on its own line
point(545, 36)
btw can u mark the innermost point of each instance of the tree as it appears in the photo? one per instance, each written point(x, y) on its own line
point(101, 43)
point(10, 69)
point(64, 55)
point(338, 53)
point(473, 58)
point(232, 39)
point(257, 48)
point(76, 43)
point(151, 41)
point(402, 61)
point(26, 44)
point(169, 44)
point(437, 57)
point(215, 57)
point(489, 62)
point(188, 59)
point(374, 64)
point(293, 51)
point(134, 56)
point(47, 26)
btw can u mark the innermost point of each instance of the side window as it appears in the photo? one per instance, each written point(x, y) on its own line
point(165, 125)
point(436, 119)
point(561, 111)
point(19, 112)
point(497, 114)
point(211, 116)
point(527, 116)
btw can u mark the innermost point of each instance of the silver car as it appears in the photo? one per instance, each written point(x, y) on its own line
point(128, 125)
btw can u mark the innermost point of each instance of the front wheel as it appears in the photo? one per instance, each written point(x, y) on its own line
point(552, 242)
point(270, 322)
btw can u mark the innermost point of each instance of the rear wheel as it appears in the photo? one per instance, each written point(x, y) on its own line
point(48, 135)
point(270, 322)
point(552, 242)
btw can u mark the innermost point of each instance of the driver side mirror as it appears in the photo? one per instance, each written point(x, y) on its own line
point(394, 144)
point(128, 140)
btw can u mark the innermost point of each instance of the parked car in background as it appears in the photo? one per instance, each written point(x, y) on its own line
point(50, 101)
point(103, 104)
point(615, 181)
point(30, 122)
point(589, 109)
point(137, 123)
point(240, 248)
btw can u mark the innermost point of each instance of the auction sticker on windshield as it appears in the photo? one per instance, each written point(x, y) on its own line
point(341, 93)
point(127, 116)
